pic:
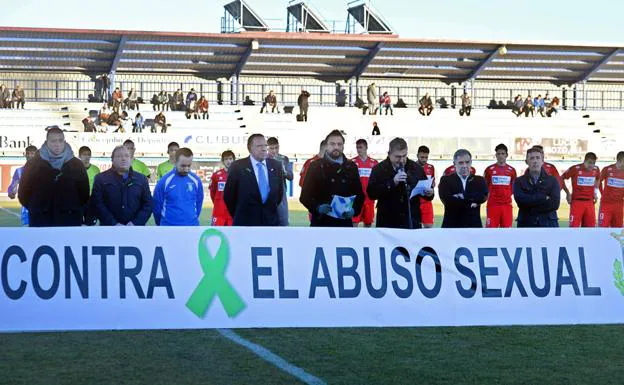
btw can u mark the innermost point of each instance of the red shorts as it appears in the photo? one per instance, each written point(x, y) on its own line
point(368, 213)
point(426, 212)
point(222, 221)
point(583, 214)
point(611, 215)
point(499, 216)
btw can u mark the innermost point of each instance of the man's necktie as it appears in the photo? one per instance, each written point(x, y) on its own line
point(263, 183)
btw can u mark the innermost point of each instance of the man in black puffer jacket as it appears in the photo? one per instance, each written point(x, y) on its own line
point(55, 185)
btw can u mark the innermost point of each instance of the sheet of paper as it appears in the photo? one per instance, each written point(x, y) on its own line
point(340, 205)
point(421, 186)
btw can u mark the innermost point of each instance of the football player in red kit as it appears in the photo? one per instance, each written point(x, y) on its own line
point(500, 178)
point(365, 165)
point(220, 214)
point(426, 207)
point(585, 179)
point(611, 212)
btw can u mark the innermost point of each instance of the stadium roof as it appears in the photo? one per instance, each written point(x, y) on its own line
point(319, 55)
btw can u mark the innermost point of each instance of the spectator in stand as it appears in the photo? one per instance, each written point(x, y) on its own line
point(518, 106)
point(426, 207)
point(376, 130)
point(387, 104)
point(500, 178)
point(29, 153)
point(114, 119)
point(160, 122)
point(371, 96)
point(163, 101)
point(54, 186)
point(137, 165)
point(426, 105)
point(19, 97)
point(202, 107)
point(5, 97)
point(177, 101)
point(365, 166)
point(139, 122)
point(270, 100)
point(302, 102)
point(547, 101)
point(126, 123)
point(168, 165)
point(191, 104)
point(611, 211)
point(220, 214)
point(121, 196)
point(117, 99)
point(553, 108)
point(89, 125)
point(537, 193)
point(528, 107)
point(538, 104)
point(104, 113)
point(585, 182)
point(133, 100)
point(466, 107)
point(105, 87)
point(287, 171)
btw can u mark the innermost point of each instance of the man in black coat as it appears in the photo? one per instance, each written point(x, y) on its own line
point(55, 186)
point(391, 183)
point(332, 175)
point(462, 194)
point(537, 193)
point(121, 196)
point(255, 186)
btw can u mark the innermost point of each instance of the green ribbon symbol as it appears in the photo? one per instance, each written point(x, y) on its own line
point(214, 283)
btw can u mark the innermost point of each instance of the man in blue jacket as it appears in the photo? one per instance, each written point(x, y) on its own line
point(179, 195)
point(121, 196)
point(537, 194)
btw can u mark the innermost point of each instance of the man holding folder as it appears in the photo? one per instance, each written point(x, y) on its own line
point(332, 191)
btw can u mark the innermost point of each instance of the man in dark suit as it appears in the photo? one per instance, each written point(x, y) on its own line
point(255, 186)
point(331, 175)
point(462, 194)
point(391, 183)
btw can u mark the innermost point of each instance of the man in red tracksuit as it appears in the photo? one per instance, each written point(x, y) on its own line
point(426, 207)
point(611, 212)
point(500, 178)
point(365, 166)
point(585, 179)
point(220, 214)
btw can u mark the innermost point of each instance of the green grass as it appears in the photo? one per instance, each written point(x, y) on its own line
point(467, 355)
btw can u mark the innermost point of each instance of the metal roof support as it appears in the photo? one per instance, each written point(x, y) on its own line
point(241, 63)
point(596, 67)
point(484, 64)
point(116, 59)
point(359, 70)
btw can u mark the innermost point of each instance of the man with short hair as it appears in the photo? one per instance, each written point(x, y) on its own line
point(585, 181)
point(179, 195)
point(220, 214)
point(462, 194)
point(426, 206)
point(255, 186)
point(306, 164)
point(537, 193)
point(391, 183)
point(611, 211)
point(365, 165)
point(550, 168)
point(19, 97)
point(5, 97)
point(466, 107)
point(84, 153)
point(121, 196)
point(500, 178)
point(29, 153)
point(282, 209)
point(332, 175)
point(54, 186)
point(270, 101)
point(169, 164)
point(450, 170)
point(137, 165)
point(302, 102)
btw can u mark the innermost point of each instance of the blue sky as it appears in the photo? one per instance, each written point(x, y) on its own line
point(598, 21)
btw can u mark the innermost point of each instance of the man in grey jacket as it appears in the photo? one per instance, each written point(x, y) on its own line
point(373, 100)
point(282, 209)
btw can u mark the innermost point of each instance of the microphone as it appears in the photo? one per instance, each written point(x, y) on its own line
point(402, 169)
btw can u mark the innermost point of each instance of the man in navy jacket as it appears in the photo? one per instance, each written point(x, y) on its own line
point(121, 196)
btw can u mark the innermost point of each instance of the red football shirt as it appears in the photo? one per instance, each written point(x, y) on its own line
point(451, 170)
point(305, 167)
point(500, 181)
point(365, 168)
point(217, 185)
point(612, 185)
point(583, 181)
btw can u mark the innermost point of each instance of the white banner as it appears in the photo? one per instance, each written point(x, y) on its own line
point(152, 278)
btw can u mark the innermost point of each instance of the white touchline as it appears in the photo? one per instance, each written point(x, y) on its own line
point(10, 212)
point(272, 358)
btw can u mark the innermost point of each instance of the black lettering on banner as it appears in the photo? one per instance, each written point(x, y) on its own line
point(56, 272)
point(348, 271)
point(402, 271)
point(540, 292)
point(430, 253)
point(131, 273)
point(466, 272)
point(71, 268)
point(372, 291)
point(13, 294)
point(325, 281)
